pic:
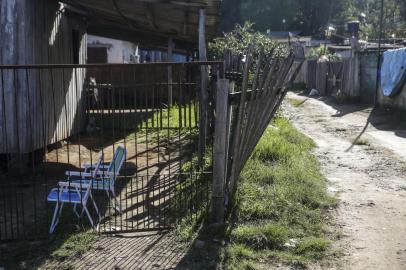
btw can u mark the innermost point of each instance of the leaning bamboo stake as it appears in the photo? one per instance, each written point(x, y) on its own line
point(239, 117)
point(278, 100)
point(258, 107)
point(258, 117)
point(271, 104)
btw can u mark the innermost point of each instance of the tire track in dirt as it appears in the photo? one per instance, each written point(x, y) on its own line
point(369, 179)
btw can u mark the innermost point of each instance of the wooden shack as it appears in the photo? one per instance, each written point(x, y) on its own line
point(39, 106)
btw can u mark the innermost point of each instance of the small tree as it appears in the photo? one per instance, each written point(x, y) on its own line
point(238, 40)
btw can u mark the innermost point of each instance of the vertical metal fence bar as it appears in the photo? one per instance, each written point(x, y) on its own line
point(121, 121)
point(55, 135)
point(101, 106)
point(16, 124)
point(135, 150)
point(3, 166)
point(5, 213)
point(30, 114)
point(89, 110)
point(78, 98)
point(179, 104)
point(159, 123)
point(144, 200)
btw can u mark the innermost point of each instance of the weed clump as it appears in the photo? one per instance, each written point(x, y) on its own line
point(269, 236)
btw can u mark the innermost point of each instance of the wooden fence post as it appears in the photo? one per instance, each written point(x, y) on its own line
point(204, 73)
point(220, 150)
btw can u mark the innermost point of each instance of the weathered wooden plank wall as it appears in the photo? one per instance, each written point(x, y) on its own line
point(350, 80)
point(39, 107)
point(331, 78)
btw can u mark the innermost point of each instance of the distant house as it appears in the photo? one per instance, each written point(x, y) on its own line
point(42, 106)
point(108, 50)
point(147, 56)
point(289, 36)
point(113, 51)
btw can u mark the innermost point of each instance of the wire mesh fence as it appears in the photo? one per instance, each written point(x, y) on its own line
point(57, 121)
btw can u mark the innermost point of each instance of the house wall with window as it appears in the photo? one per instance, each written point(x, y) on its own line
point(107, 50)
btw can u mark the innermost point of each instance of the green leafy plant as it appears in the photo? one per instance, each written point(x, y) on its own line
point(322, 51)
point(238, 40)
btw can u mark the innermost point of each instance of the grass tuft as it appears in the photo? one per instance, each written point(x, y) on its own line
point(362, 142)
point(313, 248)
point(74, 245)
point(269, 236)
point(296, 102)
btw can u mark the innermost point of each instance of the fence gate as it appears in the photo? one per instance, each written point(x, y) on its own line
point(246, 102)
point(75, 114)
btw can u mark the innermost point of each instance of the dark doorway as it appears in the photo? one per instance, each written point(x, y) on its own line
point(97, 55)
point(75, 47)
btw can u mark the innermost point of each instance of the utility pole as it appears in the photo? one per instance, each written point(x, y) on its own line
point(379, 54)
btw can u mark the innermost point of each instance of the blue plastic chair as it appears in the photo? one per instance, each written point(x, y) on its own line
point(76, 193)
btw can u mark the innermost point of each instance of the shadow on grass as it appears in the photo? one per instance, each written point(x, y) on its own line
point(207, 250)
point(33, 254)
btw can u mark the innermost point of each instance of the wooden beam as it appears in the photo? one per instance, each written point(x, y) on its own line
point(195, 4)
point(202, 35)
point(203, 87)
point(220, 151)
point(151, 15)
point(166, 19)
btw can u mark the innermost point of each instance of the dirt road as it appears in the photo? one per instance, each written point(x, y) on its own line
point(369, 177)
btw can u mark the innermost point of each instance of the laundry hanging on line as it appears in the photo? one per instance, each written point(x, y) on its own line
point(393, 72)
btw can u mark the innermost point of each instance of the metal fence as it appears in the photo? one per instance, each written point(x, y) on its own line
point(55, 118)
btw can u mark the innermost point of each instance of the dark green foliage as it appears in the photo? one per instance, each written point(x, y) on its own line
point(302, 15)
point(313, 16)
point(239, 39)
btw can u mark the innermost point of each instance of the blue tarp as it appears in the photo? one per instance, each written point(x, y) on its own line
point(393, 72)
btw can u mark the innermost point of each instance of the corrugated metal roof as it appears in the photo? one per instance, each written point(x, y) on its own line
point(145, 19)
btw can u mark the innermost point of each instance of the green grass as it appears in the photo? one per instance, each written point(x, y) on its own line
point(281, 213)
point(283, 198)
point(198, 187)
point(296, 102)
point(362, 142)
point(176, 121)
